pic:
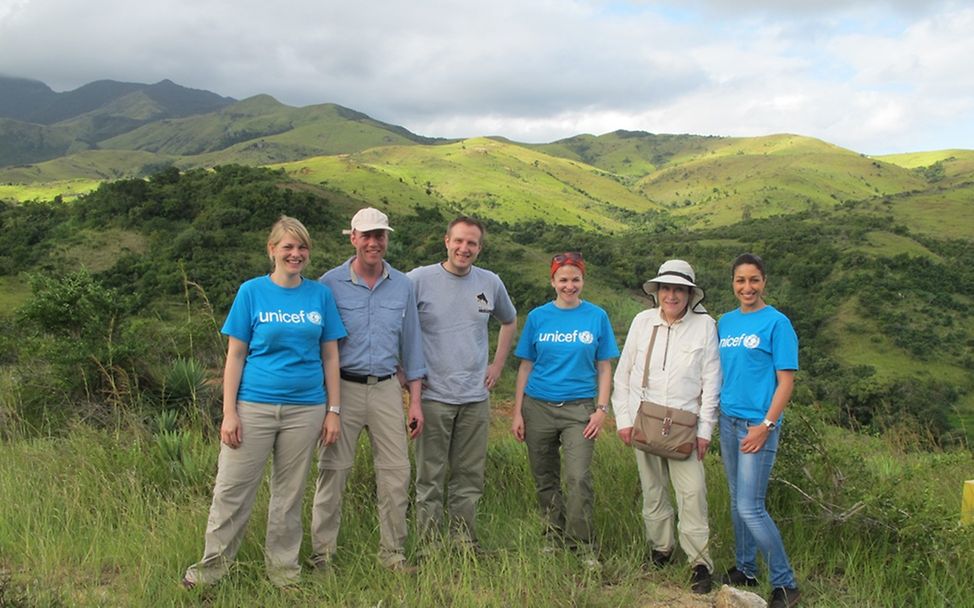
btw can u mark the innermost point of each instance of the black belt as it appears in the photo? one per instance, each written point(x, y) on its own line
point(364, 379)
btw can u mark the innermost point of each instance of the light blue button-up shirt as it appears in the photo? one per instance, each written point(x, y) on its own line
point(382, 323)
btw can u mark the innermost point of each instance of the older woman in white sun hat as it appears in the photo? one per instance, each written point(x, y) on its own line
point(684, 373)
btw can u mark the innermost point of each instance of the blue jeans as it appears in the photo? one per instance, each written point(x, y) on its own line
point(747, 478)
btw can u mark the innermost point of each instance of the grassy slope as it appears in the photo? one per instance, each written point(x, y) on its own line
point(69, 189)
point(770, 176)
point(711, 180)
point(632, 154)
point(483, 176)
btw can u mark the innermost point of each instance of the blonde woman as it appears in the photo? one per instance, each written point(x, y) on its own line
point(282, 356)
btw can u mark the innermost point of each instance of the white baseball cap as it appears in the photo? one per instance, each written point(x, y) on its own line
point(368, 219)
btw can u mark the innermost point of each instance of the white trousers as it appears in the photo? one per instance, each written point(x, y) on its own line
point(690, 488)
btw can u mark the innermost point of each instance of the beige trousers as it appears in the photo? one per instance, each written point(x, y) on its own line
point(690, 488)
point(287, 434)
point(377, 407)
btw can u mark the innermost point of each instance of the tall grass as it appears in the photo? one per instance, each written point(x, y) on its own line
point(93, 518)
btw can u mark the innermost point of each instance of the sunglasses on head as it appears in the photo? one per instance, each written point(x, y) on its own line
point(567, 258)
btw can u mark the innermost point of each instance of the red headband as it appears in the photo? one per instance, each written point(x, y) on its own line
point(569, 258)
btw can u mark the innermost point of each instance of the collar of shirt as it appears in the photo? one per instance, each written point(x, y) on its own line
point(356, 280)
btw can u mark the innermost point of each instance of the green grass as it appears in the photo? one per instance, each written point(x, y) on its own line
point(887, 244)
point(68, 190)
point(98, 250)
point(97, 522)
point(913, 160)
point(860, 342)
point(943, 213)
point(14, 292)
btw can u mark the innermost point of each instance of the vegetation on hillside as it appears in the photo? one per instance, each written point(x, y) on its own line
point(844, 297)
point(111, 364)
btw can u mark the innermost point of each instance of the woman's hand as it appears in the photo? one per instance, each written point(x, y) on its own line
point(330, 428)
point(594, 424)
point(517, 426)
point(702, 445)
point(755, 438)
point(625, 435)
point(231, 432)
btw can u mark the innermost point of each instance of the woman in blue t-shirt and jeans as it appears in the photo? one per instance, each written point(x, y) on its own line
point(283, 333)
point(759, 357)
point(560, 401)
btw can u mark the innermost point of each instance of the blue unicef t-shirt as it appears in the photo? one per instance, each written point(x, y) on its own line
point(753, 346)
point(564, 345)
point(283, 328)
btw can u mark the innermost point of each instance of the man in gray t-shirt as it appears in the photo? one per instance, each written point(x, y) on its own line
point(455, 301)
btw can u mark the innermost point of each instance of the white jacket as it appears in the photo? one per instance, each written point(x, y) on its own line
point(684, 371)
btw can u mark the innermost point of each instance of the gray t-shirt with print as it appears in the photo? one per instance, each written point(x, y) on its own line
point(453, 315)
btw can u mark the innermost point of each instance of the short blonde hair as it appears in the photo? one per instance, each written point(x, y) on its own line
point(287, 226)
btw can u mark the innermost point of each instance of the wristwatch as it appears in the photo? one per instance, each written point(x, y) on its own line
point(335, 409)
point(603, 408)
point(770, 424)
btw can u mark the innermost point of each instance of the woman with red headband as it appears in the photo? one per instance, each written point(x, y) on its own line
point(561, 399)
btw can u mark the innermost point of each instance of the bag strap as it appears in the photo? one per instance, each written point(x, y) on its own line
point(649, 356)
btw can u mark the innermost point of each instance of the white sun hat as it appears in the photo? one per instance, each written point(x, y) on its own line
point(677, 272)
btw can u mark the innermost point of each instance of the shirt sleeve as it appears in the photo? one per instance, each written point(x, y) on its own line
point(411, 349)
point(784, 345)
point(239, 323)
point(608, 349)
point(525, 344)
point(710, 380)
point(504, 310)
point(620, 380)
point(332, 327)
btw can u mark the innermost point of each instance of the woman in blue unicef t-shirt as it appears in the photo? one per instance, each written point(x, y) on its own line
point(759, 357)
point(560, 401)
point(283, 333)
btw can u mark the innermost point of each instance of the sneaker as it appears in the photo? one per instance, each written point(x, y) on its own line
point(187, 584)
point(737, 578)
point(660, 559)
point(784, 597)
point(701, 581)
point(318, 563)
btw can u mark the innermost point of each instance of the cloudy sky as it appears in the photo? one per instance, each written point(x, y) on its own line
point(875, 76)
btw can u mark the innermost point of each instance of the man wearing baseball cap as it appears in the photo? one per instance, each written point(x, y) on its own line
point(378, 308)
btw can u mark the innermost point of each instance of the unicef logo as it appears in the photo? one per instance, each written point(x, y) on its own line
point(752, 341)
point(586, 337)
point(315, 317)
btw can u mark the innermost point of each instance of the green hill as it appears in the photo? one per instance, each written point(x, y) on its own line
point(38, 124)
point(488, 177)
point(718, 180)
point(313, 130)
